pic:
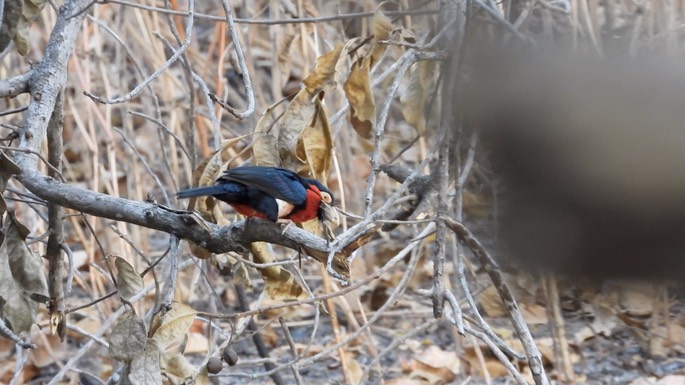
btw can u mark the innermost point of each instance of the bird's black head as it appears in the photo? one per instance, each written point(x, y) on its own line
point(326, 194)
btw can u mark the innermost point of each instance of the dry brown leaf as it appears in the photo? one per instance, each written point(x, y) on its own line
point(7, 167)
point(10, 19)
point(382, 26)
point(435, 365)
point(668, 380)
point(177, 365)
point(265, 145)
point(323, 76)
point(666, 339)
point(534, 314)
point(174, 325)
point(354, 370)
point(129, 282)
point(265, 151)
point(128, 338)
point(196, 343)
point(22, 281)
point(296, 117)
point(636, 298)
point(360, 96)
point(285, 51)
point(305, 110)
point(477, 204)
point(491, 303)
point(406, 381)
point(49, 351)
point(145, 368)
point(413, 97)
point(315, 144)
point(29, 12)
point(605, 320)
point(280, 283)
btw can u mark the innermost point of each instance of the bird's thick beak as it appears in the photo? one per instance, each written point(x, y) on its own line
point(331, 220)
point(330, 215)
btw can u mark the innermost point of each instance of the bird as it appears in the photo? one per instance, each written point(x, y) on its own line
point(273, 193)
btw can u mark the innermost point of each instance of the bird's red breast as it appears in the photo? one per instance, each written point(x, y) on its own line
point(310, 209)
point(248, 211)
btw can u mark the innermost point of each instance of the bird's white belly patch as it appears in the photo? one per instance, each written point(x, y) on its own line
point(284, 208)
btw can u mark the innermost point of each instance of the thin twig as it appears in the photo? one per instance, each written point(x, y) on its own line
point(293, 349)
point(490, 266)
point(53, 252)
point(243, 69)
point(137, 89)
point(201, 16)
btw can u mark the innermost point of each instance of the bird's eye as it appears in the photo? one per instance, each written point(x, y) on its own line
point(326, 197)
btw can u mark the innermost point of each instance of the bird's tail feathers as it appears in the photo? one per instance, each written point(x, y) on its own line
point(200, 191)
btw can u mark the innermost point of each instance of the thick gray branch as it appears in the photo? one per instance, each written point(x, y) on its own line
point(214, 238)
point(48, 79)
point(14, 86)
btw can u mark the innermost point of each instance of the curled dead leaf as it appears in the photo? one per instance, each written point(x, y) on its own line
point(414, 95)
point(382, 27)
point(29, 12)
point(296, 117)
point(323, 76)
point(358, 91)
point(174, 325)
point(315, 144)
point(145, 368)
point(129, 282)
point(128, 338)
point(280, 283)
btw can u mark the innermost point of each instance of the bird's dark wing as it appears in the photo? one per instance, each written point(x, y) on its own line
point(279, 183)
point(228, 189)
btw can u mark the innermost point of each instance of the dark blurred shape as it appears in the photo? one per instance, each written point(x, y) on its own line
point(592, 153)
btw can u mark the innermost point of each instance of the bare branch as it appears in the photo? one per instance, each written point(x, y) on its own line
point(243, 69)
point(15, 86)
point(490, 266)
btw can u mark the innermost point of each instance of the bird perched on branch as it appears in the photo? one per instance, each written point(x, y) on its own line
point(272, 193)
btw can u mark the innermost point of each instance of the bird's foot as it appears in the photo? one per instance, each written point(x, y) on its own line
point(285, 224)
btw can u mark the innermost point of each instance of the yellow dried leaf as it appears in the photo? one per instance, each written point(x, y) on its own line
point(145, 368)
point(280, 283)
point(382, 26)
point(265, 145)
point(323, 76)
point(265, 151)
point(296, 117)
point(178, 366)
point(534, 314)
point(29, 12)
point(315, 144)
point(175, 325)
point(413, 98)
point(196, 343)
point(10, 20)
point(128, 338)
point(435, 365)
point(7, 169)
point(129, 282)
point(362, 105)
point(491, 303)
